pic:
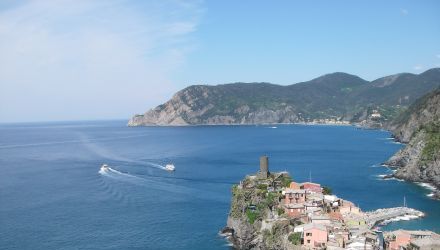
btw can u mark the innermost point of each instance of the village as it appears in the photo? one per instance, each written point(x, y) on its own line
point(314, 218)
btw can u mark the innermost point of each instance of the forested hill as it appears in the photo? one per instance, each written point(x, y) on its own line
point(335, 97)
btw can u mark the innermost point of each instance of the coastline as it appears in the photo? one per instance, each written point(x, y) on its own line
point(249, 124)
point(434, 191)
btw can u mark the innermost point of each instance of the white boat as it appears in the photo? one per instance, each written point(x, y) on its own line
point(170, 167)
point(104, 167)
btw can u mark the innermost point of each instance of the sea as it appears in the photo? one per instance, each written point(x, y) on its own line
point(53, 194)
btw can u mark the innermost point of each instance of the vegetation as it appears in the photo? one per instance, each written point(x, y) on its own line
point(271, 199)
point(326, 190)
point(252, 216)
point(280, 211)
point(295, 238)
point(336, 95)
point(419, 105)
point(273, 238)
point(262, 187)
point(432, 147)
point(286, 180)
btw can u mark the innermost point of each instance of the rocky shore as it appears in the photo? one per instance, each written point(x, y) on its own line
point(419, 128)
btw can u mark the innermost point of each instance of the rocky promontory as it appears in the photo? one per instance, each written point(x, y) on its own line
point(419, 127)
point(271, 211)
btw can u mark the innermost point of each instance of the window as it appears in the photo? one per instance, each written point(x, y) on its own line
point(308, 241)
point(308, 234)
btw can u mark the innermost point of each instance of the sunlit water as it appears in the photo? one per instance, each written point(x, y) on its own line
point(54, 196)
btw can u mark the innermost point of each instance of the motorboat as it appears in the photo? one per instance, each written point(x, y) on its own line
point(104, 167)
point(170, 167)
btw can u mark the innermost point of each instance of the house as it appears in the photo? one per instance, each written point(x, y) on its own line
point(316, 198)
point(348, 207)
point(315, 235)
point(417, 238)
point(320, 219)
point(336, 216)
point(294, 185)
point(355, 222)
point(421, 244)
point(401, 239)
point(312, 187)
point(337, 239)
point(312, 208)
point(294, 210)
point(295, 196)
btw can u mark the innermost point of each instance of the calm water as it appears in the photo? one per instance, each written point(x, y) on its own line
point(53, 197)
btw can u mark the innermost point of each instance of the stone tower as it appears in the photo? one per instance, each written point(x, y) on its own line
point(264, 166)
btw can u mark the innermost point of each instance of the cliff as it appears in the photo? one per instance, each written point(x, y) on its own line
point(255, 220)
point(419, 127)
point(336, 96)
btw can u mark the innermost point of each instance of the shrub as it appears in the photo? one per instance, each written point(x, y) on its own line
point(432, 147)
point(295, 238)
point(326, 190)
point(280, 211)
point(252, 216)
point(286, 180)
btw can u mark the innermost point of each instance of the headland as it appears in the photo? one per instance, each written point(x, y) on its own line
point(269, 210)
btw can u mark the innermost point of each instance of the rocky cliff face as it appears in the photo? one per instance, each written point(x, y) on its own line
point(253, 220)
point(425, 110)
point(336, 96)
point(419, 126)
point(197, 106)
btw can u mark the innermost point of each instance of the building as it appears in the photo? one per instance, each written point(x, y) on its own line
point(295, 196)
point(294, 185)
point(294, 210)
point(418, 239)
point(421, 244)
point(315, 235)
point(401, 239)
point(348, 207)
point(320, 219)
point(312, 187)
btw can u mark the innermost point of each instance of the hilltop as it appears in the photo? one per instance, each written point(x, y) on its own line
point(337, 97)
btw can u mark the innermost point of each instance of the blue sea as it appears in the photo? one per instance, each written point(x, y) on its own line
point(52, 195)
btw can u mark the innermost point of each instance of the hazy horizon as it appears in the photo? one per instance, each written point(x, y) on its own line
point(107, 60)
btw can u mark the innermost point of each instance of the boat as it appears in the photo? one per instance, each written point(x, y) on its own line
point(170, 167)
point(104, 167)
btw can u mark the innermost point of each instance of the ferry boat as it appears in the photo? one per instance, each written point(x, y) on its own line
point(170, 167)
point(104, 167)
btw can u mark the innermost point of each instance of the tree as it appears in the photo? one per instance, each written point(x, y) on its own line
point(295, 238)
point(326, 190)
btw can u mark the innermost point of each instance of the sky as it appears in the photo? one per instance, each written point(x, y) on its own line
point(110, 59)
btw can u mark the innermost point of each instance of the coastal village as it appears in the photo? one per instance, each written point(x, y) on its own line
point(272, 211)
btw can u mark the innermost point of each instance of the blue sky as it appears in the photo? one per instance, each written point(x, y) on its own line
point(79, 59)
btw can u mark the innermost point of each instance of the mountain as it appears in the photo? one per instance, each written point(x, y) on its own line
point(337, 96)
point(419, 126)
